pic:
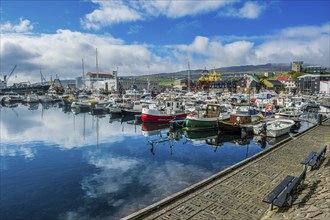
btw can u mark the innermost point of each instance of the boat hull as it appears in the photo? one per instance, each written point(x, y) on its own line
point(157, 116)
point(276, 128)
point(238, 122)
point(201, 123)
point(229, 127)
point(130, 112)
point(26, 89)
point(161, 118)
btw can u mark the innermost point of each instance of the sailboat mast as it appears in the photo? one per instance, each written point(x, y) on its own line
point(83, 71)
point(97, 63)
point(188, 77)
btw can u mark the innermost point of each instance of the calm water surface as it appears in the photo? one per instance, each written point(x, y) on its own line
point(55, 164)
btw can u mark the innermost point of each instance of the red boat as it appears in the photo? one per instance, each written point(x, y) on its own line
point(172, 111)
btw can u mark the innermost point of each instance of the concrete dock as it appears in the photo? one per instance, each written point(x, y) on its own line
point(237, 192)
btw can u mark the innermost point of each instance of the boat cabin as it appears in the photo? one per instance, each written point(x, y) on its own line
point(214, 110)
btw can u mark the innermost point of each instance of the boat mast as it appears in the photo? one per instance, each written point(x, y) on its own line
point(83, 72)
point(188, 77)
point(97, 63)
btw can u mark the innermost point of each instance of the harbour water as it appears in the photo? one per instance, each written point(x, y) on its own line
point(55, 164)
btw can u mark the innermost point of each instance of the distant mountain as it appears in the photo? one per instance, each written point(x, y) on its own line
point(228, 70)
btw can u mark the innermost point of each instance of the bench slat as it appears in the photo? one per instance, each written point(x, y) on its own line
point(324, 150)
point(317, 157)
point(308, 158)
point(282, 198)
point(278, 189)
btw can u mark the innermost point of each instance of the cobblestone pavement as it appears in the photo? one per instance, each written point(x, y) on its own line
point(313, 202)
point(239, 193)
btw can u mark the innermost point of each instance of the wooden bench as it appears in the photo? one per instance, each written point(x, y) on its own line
point(314, 158)
point(283, 193)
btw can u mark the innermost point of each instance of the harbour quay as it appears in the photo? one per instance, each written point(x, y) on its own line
point(238, 192)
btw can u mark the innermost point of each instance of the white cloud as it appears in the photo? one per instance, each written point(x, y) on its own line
point(23, 26)
point(306, 32)
point(61, 53)
point(113, 182)
point(308, 43)
point(110, 12)
point(114, 12)
point(175, 9)
point(250, 10)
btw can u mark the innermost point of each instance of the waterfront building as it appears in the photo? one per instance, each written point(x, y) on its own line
point(296, 66)
point(126, 83)
point(68, 83)
point(310, 83)
point(208, 78)
point(289, 84)
point(183, 85)
point(248, 83)
point(325, 87)
point(273, 85)
point(180, 84)
point(106, 81)
point(315, 69)
point(224, 85)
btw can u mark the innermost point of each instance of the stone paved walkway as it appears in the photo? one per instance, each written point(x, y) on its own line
point(239, 193)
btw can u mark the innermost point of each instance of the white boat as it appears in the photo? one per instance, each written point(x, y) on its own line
point(11, 97)
point(32, 98)
point(274, 128)
point(311, 104)
point(289, 112)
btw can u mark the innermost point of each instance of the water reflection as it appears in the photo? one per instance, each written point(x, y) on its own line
point(63, 164)
point(53, 127)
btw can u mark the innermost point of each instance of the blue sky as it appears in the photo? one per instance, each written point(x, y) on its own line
point(146, 37)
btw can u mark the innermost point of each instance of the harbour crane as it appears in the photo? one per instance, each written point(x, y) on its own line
point(7, 78)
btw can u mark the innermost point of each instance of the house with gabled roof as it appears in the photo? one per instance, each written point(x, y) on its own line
point(273, 85)
point(249, 82)
point(289, 84)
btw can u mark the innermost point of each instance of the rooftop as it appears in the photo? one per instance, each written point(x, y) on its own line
point(99, 73)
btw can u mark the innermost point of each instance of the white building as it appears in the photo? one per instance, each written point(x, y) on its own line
point(297, 66)
point(102, 81)
point(325, 87)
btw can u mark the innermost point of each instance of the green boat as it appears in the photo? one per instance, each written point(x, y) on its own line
point(201, 135)
point(208, 120)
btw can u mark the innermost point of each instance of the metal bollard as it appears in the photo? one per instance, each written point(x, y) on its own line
point(319, 119)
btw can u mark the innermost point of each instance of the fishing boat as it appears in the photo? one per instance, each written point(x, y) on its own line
point(274, 128)
point(170, 111)
point(201, 135)
point(239, 121)
point(11, 97)
point(311, 104)
point(32, 98)
point(25, 87)
point(209, 119)
point(135, 110)
point(289, 112)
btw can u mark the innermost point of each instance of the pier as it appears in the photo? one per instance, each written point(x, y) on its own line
point(238, 191)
